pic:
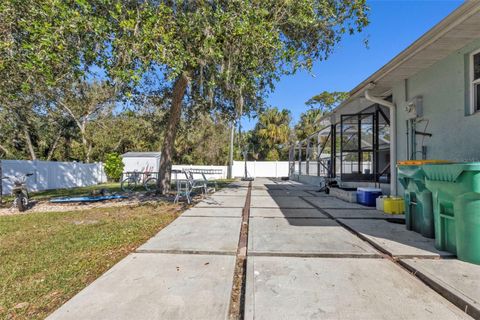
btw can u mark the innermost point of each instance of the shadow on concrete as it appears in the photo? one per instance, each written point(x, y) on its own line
point(386, 233)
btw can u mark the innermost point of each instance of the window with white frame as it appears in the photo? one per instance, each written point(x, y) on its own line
point(475, 80)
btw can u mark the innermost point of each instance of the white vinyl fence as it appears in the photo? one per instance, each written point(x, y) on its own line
point(222, 175)
point(256, 169)
point(52, 175)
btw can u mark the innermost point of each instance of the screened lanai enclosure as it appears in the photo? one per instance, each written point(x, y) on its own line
point(352, 148)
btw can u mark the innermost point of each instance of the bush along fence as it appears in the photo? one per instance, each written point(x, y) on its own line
point(51, 174)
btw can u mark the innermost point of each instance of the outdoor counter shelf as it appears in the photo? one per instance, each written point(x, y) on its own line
point(456, 204)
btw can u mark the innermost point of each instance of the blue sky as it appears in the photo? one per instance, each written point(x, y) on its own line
point(394, 25)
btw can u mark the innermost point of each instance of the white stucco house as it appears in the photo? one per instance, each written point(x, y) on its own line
point(423, 104)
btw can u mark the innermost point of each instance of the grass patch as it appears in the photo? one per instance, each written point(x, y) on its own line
point(46, 258)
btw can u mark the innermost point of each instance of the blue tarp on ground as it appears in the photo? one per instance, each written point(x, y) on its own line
point(86, 199)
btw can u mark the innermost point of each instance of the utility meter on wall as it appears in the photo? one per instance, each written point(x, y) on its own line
point(414, 108)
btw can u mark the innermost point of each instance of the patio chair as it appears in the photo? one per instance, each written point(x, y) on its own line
point(207, 183)
point(196, 183)
point(185, 187)
point(183, 190)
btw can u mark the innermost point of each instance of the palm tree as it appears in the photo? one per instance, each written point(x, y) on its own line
point(308, 124)
point(272, 132)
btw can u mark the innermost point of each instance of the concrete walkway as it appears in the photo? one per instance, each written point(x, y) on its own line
point(310, 256)
point(184, 272)
point(342, 262)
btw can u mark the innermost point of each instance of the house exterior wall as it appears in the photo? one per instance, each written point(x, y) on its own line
point(445, 90)
point(444, 87)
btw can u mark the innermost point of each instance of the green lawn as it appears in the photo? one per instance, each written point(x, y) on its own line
point(46, 258)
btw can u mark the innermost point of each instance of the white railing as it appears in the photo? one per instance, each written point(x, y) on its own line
point(52, 174)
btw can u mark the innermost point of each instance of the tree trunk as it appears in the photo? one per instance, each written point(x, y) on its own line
point(83, 133)
point(89, 152)
point(28, 140)
point(179, 89)
point(54, 145)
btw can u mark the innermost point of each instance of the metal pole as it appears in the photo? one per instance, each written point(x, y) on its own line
point(318, 148)
point(230, 157)
point(307, 158)
point(300, 158)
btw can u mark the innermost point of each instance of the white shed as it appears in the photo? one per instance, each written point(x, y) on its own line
point(141, 161)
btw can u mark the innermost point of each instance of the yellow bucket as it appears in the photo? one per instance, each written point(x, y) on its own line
point(394, 205)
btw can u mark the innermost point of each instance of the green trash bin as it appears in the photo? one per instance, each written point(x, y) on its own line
point(418, 199)
point(456, 205)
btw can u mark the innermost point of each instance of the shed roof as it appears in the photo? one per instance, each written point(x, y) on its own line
point(152, 154)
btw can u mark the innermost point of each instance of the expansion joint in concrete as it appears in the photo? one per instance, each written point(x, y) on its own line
point(237, 299)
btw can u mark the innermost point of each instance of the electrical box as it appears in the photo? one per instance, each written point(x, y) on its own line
point(414, 108)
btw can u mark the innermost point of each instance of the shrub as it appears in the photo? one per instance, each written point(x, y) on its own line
point(113, 166)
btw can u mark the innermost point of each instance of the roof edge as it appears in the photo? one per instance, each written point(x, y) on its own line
point(463, 12)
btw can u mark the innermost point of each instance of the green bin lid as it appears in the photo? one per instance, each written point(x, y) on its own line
point(449, 172)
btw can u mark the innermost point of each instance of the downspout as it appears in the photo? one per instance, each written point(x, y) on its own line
point(393, 138)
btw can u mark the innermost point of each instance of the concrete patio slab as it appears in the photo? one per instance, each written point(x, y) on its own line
point(362, 213)
point(242, 192)
point(156, 286)
point(286, 213)
point(334, 203)
point(278, 202)
point(451, 277)
point(282, 193)
point(318, 194)
point(196, 234)
point(222, 201)
point(274, 186)
point(304, 237)
point(239, 183)
point(304, 187)
point(329, 288)
point(395, 239)
point(213, 212)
